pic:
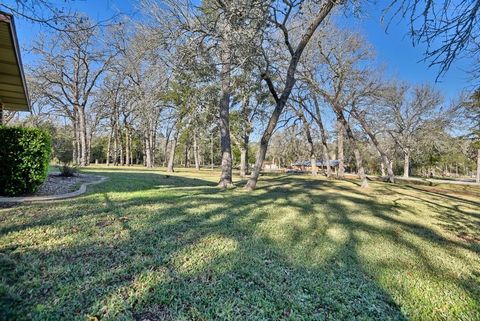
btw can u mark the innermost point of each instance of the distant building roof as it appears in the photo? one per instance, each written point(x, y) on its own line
point(333, 162)
point(13, 87)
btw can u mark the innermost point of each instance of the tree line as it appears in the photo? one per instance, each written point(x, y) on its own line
point(237, 82)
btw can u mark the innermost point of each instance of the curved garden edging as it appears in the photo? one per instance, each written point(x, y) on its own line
point(43, 198)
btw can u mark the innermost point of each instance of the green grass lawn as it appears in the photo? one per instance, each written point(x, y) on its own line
point(143, 246)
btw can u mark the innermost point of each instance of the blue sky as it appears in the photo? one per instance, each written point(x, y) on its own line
point(394, 49)
point(403, 60)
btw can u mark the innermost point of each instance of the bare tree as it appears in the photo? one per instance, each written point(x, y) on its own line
point(281, 15)
point(336, 78)
point(365, 109)
point(317, 116)
point(253, 101)
point(308, 135)
point(340, 128)
point(407, 113)
point(70, 68)
point(471, 116)
point(173, 146)
point(386, 162)
point(145, 81)
point(223, 29)
point(309, 66)
point(55, 15)
point(449, 29)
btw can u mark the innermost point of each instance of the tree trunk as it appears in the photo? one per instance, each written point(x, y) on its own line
point(165, 148)
point(244, 167)
point(243, 161)
point(281, 101)
point(152, 137)
point(406, 162)
point(478, 166)
point(109, 148)
point(360, 169)
point(187, 155)
point(75, 151)
point(306, 129)
point(145, 150)
point(83, 136)
point(384, 158)
point(165, 152)
point(323, 134)
point(262, 150)
point(211, 151)
point(148, 150)
point(127, 147)
point(78, 149)
point(75, 143)
point(122, 162)
point(171, 160)
point(225, 143)
point(89, 147)
point(195, 152)
point(245, 138)
point(340, 155)
point(115, 146)
point(351, 137)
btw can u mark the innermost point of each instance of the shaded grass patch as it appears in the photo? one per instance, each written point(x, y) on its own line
point(146, 246)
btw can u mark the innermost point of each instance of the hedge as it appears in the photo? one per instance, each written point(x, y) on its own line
point(24, 159)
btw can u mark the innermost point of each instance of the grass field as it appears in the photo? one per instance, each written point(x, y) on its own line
point(143, 246)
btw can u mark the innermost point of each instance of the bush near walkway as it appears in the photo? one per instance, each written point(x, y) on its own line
point(24, 158)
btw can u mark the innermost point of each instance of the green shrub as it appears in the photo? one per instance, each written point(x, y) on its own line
point(24, 159)
point(62, 146)
point(67, 171)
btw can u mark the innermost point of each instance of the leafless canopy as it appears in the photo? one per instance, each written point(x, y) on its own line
point(53, 14)
point(448, 28)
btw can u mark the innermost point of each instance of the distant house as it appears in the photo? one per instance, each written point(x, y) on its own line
point(305, 166)
point(270, 166)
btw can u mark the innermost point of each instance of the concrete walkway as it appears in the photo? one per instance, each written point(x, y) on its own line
point(45, 198)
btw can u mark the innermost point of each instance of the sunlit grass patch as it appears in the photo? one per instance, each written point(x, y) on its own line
point(197, 257)
point(144, 246)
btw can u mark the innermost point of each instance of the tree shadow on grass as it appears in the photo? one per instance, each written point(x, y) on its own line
point(47, 213)
point(443, 195)
point(456, 215)
point(178, 248)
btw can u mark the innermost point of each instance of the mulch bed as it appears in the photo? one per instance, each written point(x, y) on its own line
point(55, 184)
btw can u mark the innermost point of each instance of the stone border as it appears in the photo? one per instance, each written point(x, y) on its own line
point(44, 198)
